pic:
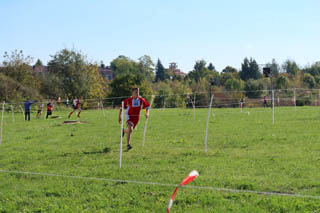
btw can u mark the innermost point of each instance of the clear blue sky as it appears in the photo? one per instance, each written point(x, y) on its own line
point(221, 32)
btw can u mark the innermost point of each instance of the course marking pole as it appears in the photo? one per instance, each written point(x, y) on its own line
point(12, 113)
point(22, 111)
point(294, 99)
point(102, 109)
point(272, 107)
point(146, 123)
point(318, 97)
point(206, 136)
point(194, 106)
point(2, 122)
point(121, 137)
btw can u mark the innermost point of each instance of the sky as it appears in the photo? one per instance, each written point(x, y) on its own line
point(182, 31)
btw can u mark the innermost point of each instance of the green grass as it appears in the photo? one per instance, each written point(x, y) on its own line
point(245, 152)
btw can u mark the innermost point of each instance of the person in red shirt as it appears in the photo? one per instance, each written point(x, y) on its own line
point(49, 108)
point(133, 107)
point(76, 106)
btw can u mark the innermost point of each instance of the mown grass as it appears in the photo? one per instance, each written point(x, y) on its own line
point(245, 152)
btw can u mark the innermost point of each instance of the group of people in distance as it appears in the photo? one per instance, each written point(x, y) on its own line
point(265, 103)
point(50, 105)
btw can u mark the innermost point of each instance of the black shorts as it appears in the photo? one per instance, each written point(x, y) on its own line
point(39, 111)
point(49, 112)
point(74, 107)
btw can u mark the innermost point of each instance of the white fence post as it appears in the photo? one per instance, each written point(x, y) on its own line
point(206, 136)
point(121, 137)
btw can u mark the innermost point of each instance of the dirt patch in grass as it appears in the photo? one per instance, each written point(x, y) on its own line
point(73, 122)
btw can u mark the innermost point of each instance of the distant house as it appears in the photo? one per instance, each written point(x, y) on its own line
point(107, 73)
point(40, 69)
point(174, 67)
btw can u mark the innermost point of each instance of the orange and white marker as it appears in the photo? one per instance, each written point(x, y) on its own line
point(192, 175)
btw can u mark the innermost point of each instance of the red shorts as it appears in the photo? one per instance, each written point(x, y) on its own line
point(133, 120)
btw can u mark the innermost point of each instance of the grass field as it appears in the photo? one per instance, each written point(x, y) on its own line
point(245, 152)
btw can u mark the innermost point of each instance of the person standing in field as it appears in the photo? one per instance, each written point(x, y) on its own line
point(67, 102)
point(49, 109)
point(40, 108)
point(265, 104)
point(27, 109)
point(76, 106)
point(133, 107)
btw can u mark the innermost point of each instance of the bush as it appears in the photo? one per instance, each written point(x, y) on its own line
point(11, 90)
point(253, 88)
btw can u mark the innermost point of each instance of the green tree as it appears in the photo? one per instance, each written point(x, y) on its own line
point(282, 82)
point(38, 63)
point(17, 66)
point(160, 73)
point(309, 80)
point(96, 82)
point(253, 88)
point(122, 86)
point(69, 68)
point(249, 69)
point(146, 66)
point(124, 65)
point(234, 84)
point(290, 67)
point(225, 77)
point(11, 90)
point(211, 67)
point(229, 69)
point(199, 71)
point(314, 69)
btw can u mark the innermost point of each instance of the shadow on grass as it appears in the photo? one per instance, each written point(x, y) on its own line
point(104, 151)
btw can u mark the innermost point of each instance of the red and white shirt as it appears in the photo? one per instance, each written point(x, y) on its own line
point(133, 106)
point(49, 106)
point(76, 103)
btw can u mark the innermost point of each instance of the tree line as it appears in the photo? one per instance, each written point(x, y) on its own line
point(70, 74)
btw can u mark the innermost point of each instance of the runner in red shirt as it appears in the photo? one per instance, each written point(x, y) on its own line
point(133, 107)
point(49, 108)
point(76, 106)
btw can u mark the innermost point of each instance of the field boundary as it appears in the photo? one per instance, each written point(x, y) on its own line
point(164, 184)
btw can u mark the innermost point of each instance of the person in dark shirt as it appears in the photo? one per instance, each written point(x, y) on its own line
point(265, 104)
point(27, 109)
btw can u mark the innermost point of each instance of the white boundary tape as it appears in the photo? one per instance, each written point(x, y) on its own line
point(165, 184)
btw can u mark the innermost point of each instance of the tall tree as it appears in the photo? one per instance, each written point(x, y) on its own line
point(122, 84)
point(211, 67)
point(160, 73)
point(18, 66)
point(199, 71)
point(146, 66)
point(38, 63)
point(249, 69)
point(314, 69)
point(96, 82)
point(124, 65)
point(70, 67)
point(290, 67)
